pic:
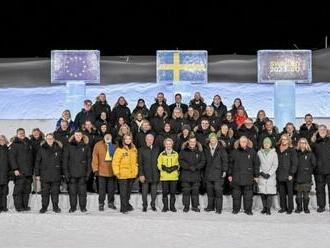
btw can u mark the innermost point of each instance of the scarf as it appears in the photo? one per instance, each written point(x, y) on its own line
point(110, 152)
point(266, 151)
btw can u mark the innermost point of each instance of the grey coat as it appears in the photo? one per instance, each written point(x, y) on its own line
point(268, 165)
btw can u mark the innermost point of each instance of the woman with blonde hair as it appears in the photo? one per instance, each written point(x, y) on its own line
point(123, 130)
point(303, 178)
point(287, 167)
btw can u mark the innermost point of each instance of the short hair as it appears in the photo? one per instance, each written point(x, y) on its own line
point(50, 134)
point(178, 94)
point(20, 129)
point(308, 115)
point(87, 101)
point(168, 139)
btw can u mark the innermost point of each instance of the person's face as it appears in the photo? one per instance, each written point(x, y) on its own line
point(177, 113)
point(107, 138)
point(103, 128)
point(240, 112)
point(146, 126)
point(139, 117)
point(160, 97)
point(197, 96)
point(289, 129)
point(21, 134)
point(168, 145)
point(88, 106)
point(323, 132)
point(103, 116)
point(237, 103)
point(64, 125)
point(50, 140)
point(224, 129)
point(128, 140)
point(66, 115)
point(284, 141)
point(88, 125)
point(267, 145)
point(149, 140)
point(178, 99)
point(192, 143)
point(141, 104)
point(261, 116)
point(308, 120)
point(121, 121)
point(190, 111)
point(302, 144)
point(121, 101)
point(248, 124)
point(102, 98)
point(2, 141)
point(124, 130)
point(205, 124)
point(209, 111)
point(217, 100)
point(185, 132)
point(167, 128)
point(160, 111)
point(78, 136)
point(213, 141)
point(243, 142)
point(269, 126)
point(229, 116)
point(36, 134)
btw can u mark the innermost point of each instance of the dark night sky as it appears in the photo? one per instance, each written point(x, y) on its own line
point(32, 30)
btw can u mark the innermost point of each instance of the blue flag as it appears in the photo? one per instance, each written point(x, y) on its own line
point(182, 66)
point(75, 65)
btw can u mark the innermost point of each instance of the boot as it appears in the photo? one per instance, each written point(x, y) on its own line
point(269, 205)
point(101, 207)
point(299, 205)
point(218, 205)
point(111, 205)
point(172, 203)
point(165, 203)
point(264, 204)
point(43, 210)
point(306, 202)
point(210, 204)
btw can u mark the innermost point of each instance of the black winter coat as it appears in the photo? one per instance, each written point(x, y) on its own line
point(77, 159)
point(191, 163)
point(83, 116)
point(148, 163)
point(4, 165)
point(321, 149)
point(100, 107)
point(244, 166)
point(176, 124)
point(199, 106)
point(251, 134)
point(140, 138)
point(265, 134)
point(287, 164)
point(121, 111)
point(21, 156)
point(308, 133)
point(184, 107)
point(154, 106)
point(62, 136)
point(202, 135)
point(157, 124)
point(306, 165)
point(48, 164)
point(221, 110)
point(162, 136)
point(217, 164)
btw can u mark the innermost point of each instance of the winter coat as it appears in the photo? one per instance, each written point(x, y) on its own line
point(100, 107)
point(221, 110)
point(214, 121)
point(36, 145)
point(244, 165)
point(194, 120)
point(77, 158)
point(104, 168)
point(62, 136)
point(140, 138)
point(154, 106)
point(268, 165)
point(176, 124)
point(83, 116)
point(251, 134)
point(125, 162)
point(287, 164)
point(162, 136)
point(200, 106)
point(71, 124)
point(4, 165)
point(169, 161)
point(306, 166)
point(227, 141)
point(191, 162)
point(21, 156)
point(265, 134)
point(179, 142)
point(48, 164)
point(295, 136)
point(217, 164)
point(203, 135)
point(157, 123)
point(145, 111)
point(321, 147)
point(121, 111)
point(184, 107)
point(308, 133)
point(148, 163)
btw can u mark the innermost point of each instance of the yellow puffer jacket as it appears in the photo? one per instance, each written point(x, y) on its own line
point(124, 163)
point(169, 160)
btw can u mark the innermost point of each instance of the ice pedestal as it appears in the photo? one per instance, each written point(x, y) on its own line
point(75, 95)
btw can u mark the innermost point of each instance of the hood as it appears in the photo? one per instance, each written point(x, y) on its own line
point(185, 146)
point(195, 115)
point(85, 139)
point(56, 143)
point(237, 146)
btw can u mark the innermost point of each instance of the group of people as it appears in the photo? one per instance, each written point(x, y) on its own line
point(195, 148)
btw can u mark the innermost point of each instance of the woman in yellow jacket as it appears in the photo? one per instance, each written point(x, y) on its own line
point(168, 164)
point(125, 168)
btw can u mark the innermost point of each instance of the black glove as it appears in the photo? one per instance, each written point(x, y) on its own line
point(263, 174)
point(173, 168)
point(165, 168)
point(267, 176)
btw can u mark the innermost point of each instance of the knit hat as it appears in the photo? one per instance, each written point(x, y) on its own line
point(212, 135)
point(267, 140)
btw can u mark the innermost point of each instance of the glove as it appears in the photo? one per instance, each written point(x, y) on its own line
point(267, 176)
point(173, 168)
point(263, 175)
point(165, 168)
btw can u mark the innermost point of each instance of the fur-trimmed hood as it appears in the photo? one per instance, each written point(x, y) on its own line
point(195, 115)
point(84, 138)
point(317, 137)
point(185, 145)
point(237, 146)
point(56, 143)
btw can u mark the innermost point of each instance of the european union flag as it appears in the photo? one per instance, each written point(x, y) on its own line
point(75, 65)
point(186, 66)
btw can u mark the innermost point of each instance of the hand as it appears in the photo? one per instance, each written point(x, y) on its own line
point(256, 179)
point(290, 178)
point(142, 179)
point(263, 175)
point(96, 173)
point(164, 168)
point(38, 178)
point(230, 178)
point(267, 176)
point(224, 174)
point(17, 173)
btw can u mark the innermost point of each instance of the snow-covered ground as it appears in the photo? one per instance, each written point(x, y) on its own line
point(138, 229)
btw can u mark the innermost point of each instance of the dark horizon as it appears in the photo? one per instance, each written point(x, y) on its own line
point(33, 30)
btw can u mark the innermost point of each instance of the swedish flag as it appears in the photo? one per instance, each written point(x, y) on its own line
point(176, 66)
